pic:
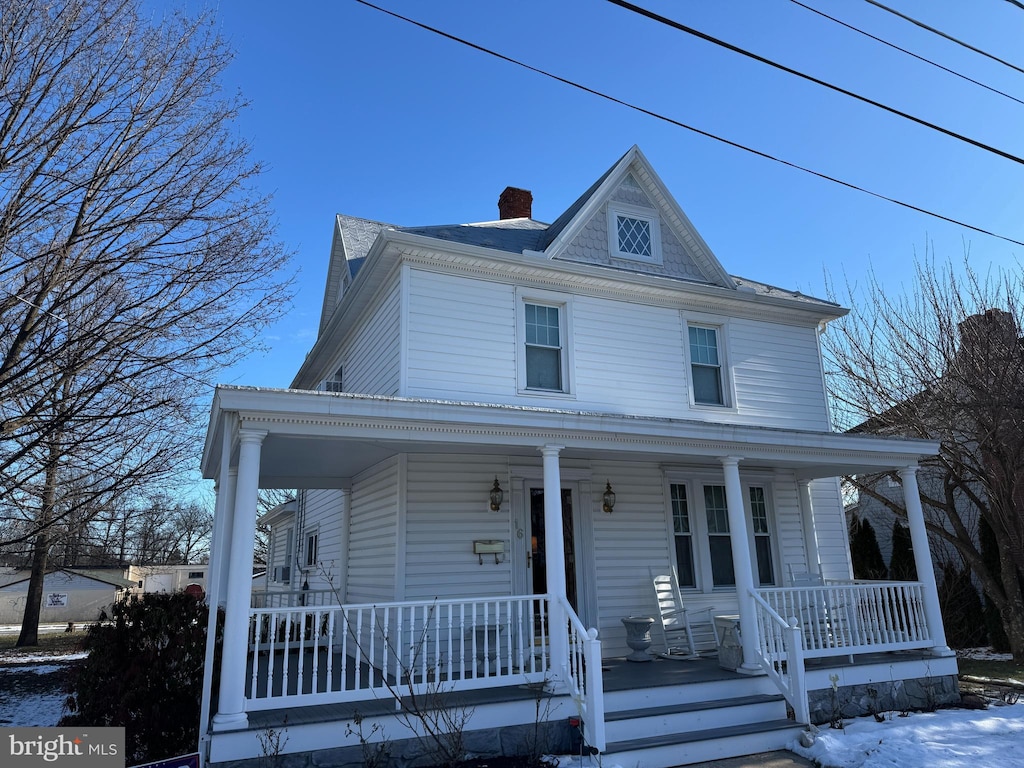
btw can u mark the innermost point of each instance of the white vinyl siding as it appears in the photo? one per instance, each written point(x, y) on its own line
point(830, 526)
point(447, 508)
point(373, 532)
point(627, 357)
point(634, 365)
point(776, 375)
point(372, 353)
point(323, 515)
point(789, 523)
point(626, 543)
point(461, 338)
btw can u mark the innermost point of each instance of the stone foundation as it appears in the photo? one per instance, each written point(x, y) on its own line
point(923, 693)
point(547, 738)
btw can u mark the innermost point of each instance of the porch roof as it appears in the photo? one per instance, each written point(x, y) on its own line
point(323, 439)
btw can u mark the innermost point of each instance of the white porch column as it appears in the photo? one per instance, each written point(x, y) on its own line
point(231, 710)
point(923, 560)
point(741, 563)
point(810, 533)
point(554, 554)
point(223, 523)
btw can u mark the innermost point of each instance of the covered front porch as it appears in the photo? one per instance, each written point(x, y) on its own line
point(712, 712)
point(294, 648)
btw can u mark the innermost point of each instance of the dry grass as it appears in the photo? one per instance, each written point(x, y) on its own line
point(51, 644)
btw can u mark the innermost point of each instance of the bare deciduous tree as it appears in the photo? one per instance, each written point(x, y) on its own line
point(945, 362)
point(136, 256)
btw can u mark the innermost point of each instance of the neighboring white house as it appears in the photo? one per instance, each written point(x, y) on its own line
point(168, 578)
point(480, 391)
point(68, 595)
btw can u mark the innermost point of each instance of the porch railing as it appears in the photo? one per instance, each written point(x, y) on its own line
point(840, 619)
point(585, 679)
point(294, 598)
point(781, 655)
point(301, 655)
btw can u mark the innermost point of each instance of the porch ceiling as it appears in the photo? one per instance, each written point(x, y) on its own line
point(321, 440)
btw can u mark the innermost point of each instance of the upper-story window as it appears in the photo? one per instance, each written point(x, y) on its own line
point(634, 233)
point(334, 382)
point(706, 365)
point(543, 330)
point(543, 347)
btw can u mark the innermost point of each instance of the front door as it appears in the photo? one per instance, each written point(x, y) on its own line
point(540, 540)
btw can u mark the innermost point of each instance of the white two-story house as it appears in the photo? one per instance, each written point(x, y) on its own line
point(504, 431)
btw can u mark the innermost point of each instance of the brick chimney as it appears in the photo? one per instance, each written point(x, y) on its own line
point(515, 203)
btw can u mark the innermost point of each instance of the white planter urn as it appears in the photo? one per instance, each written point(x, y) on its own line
point(638, 637)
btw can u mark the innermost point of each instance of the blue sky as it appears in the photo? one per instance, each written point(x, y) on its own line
point(355, 112)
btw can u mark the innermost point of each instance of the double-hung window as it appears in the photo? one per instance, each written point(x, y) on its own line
point(706, 365)
point(702, 538)
point(544, 346)
point(719, 542)
point(683, 535)
point(762, 536)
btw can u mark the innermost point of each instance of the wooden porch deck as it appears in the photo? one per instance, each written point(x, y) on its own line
point(619, 675)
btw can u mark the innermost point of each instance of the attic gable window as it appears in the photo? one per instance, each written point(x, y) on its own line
point(634, 236)
point(634, 233)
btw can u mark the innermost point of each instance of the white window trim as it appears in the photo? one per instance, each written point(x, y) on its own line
point(310, 533)
point(634, 212)
point(721, 326)
point(695, 481)
point(563, 302)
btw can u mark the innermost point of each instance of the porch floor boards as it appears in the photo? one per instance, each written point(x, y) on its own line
point(619, 675)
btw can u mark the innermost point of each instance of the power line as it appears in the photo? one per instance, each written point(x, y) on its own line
point(909, 53)
point(810, 78)
point(1018, 3)
point(949, 37)
point(679, 124)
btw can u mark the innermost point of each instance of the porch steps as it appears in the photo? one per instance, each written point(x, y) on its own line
point(696, 747)
point(675, 725)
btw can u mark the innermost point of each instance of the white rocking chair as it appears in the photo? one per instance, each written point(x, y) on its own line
point(688, 634)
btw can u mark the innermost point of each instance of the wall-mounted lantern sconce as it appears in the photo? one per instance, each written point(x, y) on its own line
point(497, 495)
point(608, 498)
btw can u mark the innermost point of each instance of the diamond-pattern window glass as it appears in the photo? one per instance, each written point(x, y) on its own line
point(634, 236)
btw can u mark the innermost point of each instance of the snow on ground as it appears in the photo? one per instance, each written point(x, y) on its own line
point(31, 695)
point(950, 738)
point(983, 654)
point(32, 687)
point(16, 657)
point(38, 709)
